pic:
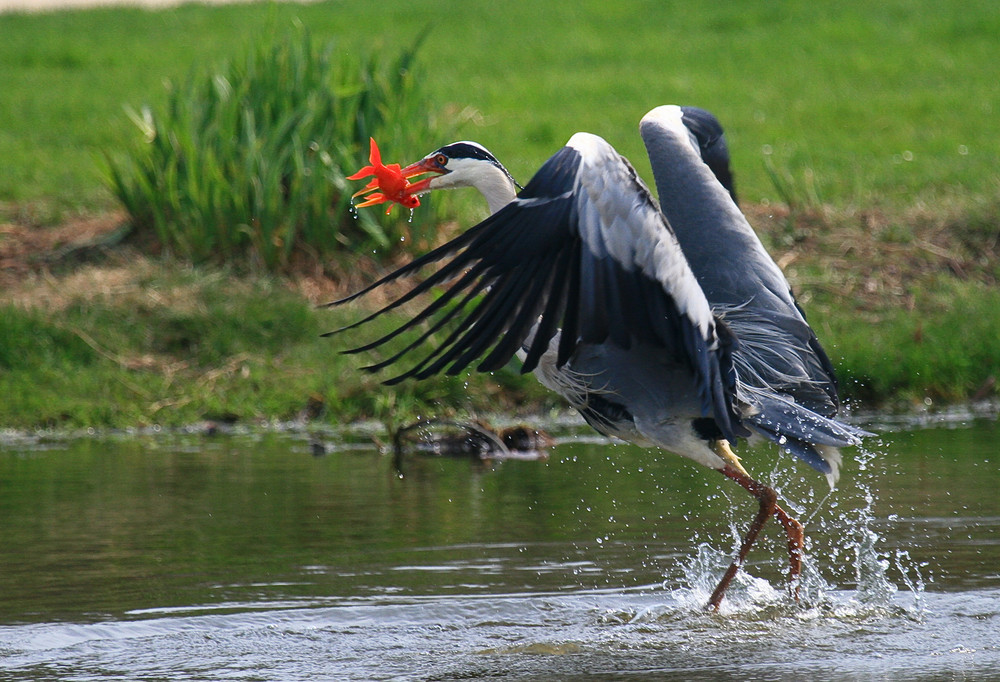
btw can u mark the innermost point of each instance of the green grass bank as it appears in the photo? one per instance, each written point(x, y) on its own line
point(126, 340)
point(863, 137)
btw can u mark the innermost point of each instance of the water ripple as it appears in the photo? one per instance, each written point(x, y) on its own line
point(632, 633)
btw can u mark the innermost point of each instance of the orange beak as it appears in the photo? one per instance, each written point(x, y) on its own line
point(419, 168)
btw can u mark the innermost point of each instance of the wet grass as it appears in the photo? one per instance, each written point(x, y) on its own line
point(942, 350)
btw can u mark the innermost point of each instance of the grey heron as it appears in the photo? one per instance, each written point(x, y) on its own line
point(666, 323)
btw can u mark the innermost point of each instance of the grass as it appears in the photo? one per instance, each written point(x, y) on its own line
point(908, 306)
point(902, 357)
point(151, 343)
point(882, 103)
point(134, 341)
point(863, 138)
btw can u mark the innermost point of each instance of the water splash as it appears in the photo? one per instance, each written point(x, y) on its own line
point(875, 565)
point(746, 593)
point(915, 584)
point(844, 550)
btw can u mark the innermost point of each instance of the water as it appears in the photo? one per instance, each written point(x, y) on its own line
point(247, 557)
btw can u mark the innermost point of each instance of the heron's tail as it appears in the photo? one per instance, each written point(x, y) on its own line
point(804, 433)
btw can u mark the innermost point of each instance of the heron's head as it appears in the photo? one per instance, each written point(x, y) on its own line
point(463, 164)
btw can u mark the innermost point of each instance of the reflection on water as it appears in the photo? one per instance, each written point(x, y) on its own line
point(247, 557)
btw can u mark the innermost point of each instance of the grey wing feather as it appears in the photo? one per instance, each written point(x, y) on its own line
point(581, 245)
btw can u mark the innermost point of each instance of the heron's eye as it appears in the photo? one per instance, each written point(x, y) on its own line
point(441, 160)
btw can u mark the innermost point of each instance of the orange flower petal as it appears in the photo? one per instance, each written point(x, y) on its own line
point(374, 155)
point(363, 173)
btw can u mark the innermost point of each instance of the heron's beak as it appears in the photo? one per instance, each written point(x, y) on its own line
point(419, 168)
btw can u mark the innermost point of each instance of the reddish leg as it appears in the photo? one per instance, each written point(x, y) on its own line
point(768, 507)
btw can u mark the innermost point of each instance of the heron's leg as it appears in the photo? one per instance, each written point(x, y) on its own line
point(768, 506)
point(794, 531)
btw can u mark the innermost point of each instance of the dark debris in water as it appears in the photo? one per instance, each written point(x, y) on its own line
point(474, 440)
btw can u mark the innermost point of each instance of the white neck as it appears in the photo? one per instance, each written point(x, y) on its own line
point(495, 185)
point(497, 189)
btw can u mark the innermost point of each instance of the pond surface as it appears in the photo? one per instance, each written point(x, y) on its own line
point(248, 557)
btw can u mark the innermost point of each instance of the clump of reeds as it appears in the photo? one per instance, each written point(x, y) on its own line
point(248, 162)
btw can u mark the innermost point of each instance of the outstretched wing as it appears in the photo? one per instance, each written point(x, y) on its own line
point(778, 349)
point(583, 249)
point(785, 377)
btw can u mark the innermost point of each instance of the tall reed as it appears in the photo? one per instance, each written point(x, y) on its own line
point(249, 161)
